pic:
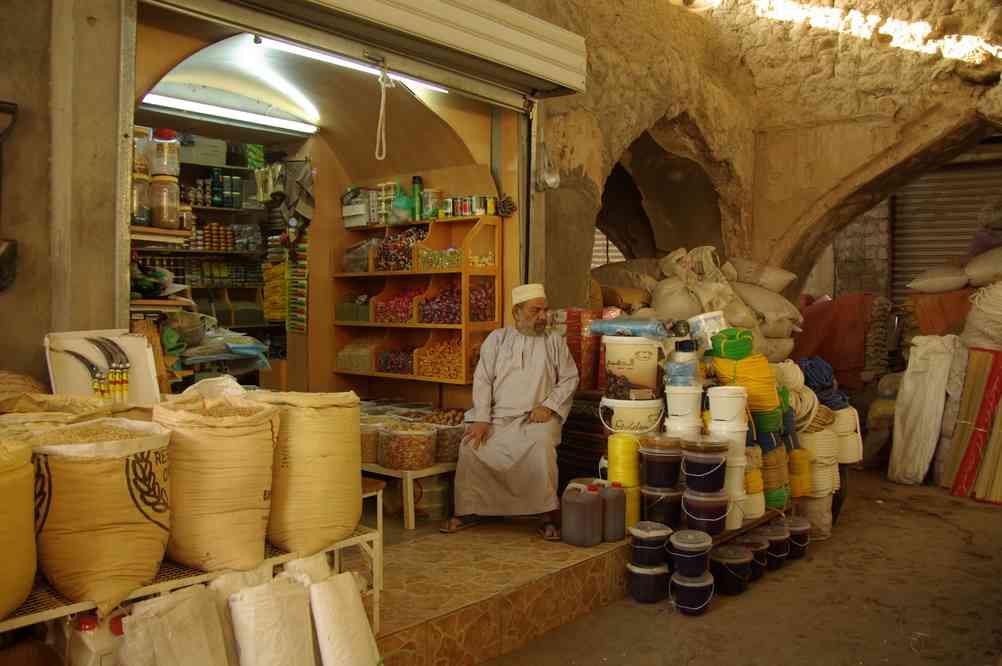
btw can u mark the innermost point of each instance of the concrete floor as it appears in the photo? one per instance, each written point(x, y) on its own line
point(910, 576)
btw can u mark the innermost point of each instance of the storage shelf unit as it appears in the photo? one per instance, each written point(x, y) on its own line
point(185, 250)
point(225, 167)
point(44, 603)
point(157, 235)
point(470, 236)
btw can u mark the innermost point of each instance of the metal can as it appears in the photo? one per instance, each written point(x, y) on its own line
point(479, 205)
point(467, 205)
point(446, 208)
point(492, 205)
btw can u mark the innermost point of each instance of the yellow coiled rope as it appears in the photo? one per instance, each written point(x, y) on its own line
point(756, 375)
point(800, 473)
point(753, 480)
point(624, 459)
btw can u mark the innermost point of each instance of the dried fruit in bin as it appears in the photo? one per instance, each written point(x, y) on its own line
point(397, 309)
point(407, 446)
point(482, 300)
point(400, 362)
point(396, 253)
point(440, 259)
point(442, 308)
point(443, 359)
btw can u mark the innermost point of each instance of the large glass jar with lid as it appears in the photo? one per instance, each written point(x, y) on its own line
point(165, 157)
point(140, 199)
point(165, 202)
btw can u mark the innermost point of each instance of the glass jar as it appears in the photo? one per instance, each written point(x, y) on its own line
point(140, 199)
point(165, 202)
point(165, 159)
point(187, 217)
point(142, 138)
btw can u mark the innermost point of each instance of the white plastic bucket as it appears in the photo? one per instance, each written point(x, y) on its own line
point(736, 436)
point(633, 416)
point(735, 516)
point(683, 429)
point(728, 404)
point(634, 360)
point(685, 403)
point(703, 327)
point(734, 480)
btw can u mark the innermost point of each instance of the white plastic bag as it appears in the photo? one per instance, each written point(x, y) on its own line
point(985, 268)
point(939, 280)
point(227, 585)
point(315, 568)
point(180, 629)
point(919, 412)
point(272, 624)
point(343, 629)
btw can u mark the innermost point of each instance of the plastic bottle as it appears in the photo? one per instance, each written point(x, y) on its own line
point(94, 643)
point(166, 155)
point(582, 516)
point(416, 186)
point(614, 512)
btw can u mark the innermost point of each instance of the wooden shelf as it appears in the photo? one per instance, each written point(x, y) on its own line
point(217, 166)
point(185, 250)
point(157, 235)
point(415, 223)
point(220, 209)
point(372, 274)
point(393, 375)
point(378, 324)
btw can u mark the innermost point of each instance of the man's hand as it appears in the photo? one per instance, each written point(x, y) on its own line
point(476, 434)
point(541, 414)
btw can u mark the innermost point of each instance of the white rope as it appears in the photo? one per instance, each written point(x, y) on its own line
point(384, 82)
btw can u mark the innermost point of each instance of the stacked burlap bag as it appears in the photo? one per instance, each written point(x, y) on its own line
point(103, 510)
point(17, 525)
point(221, 478)
point(317, 476)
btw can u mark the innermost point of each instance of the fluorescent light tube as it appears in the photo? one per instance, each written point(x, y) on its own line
point(230, 114)
point(345, 62)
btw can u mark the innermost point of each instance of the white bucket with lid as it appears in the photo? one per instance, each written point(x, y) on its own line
point(683, 430)
point(728, 404)
point(736, 436)
point(752, 506)
point(735, 517)
point(734, 480)
point(685, 404)
point(632, 361)
point(632, 416)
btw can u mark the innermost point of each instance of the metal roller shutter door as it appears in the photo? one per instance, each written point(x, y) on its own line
point(935, 219)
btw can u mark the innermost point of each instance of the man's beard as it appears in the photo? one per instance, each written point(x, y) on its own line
point(531, 328)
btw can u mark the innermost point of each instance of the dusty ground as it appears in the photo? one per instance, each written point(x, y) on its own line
point(911, 576)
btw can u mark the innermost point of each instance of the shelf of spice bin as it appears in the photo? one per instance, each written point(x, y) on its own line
point(391, 375)
point(392, 290)
point(158, 235)
point(376, 324)
point(372, 274)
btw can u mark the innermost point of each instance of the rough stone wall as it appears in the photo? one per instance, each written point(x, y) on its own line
point(862, 253)
point(649, 61)
point(24, 208)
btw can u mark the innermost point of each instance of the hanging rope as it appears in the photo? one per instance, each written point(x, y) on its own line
point(384, 82)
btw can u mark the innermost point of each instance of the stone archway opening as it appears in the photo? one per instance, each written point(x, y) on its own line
point(655, 201)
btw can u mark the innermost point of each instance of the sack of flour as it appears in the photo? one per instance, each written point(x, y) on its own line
point(317, 477)
point(102, 507)
point(221, 458)
point(17, 524)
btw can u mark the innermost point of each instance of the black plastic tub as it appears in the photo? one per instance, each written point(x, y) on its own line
point(731, 569)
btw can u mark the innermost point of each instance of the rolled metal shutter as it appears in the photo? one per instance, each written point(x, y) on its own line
point(935, 218)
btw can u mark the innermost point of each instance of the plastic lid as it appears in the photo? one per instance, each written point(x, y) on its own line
point(627, 340)
point(660, 441)
point(752, 542)
point(684, 390)
point(719, 497)
point(731, 554)
point(660, 570)
point(164, 179)
point(688, 581)
point(86, 622)
point(655, 403)
point(727, 390)
point(798, 524)
point(647, 529)
point(707, 444)
point(592, 488)
point(141, 176)
point(164, 134)
point(773, 532)
point(674, 493)
point(692, 541)
point(116, 626)
point(664, 453)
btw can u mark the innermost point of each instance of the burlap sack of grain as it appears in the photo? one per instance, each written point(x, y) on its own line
point(17, 526)
point(316, 494)
point(221, 460)
point(35, 412)
point(102, 509)
point(13, 384)
point(768, 277)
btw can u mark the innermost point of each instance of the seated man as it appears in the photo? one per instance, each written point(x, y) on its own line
point(522, 392)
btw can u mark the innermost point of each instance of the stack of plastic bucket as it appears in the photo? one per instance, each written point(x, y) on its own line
point(729, 422)
point(684, 411)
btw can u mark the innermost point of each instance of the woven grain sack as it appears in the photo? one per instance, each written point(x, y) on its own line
point(17, 524)
point(768, 304)
point(673, 301)
point(13, 384)
point(627, 298)
point(768, 277)
point(316, 494)
point(985, 268)
point(102, 507)
point(939, 280)
point(777, 350)
point(221, 459)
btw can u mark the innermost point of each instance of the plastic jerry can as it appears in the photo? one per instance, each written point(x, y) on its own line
point(582, 516)
point(93, 643)
point(614, 512)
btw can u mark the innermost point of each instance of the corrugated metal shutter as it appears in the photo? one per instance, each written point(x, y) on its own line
point(604, 252)
point(935, 219)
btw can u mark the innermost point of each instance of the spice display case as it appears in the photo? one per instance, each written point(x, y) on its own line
point(458, 253)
